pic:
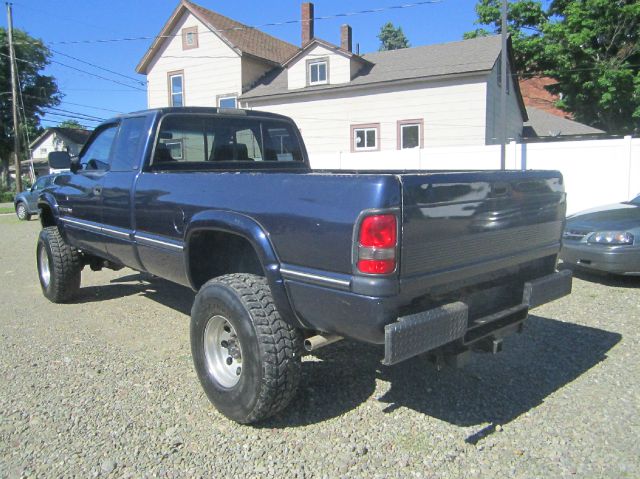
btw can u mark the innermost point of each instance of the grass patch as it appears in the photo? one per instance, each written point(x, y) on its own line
point(7, 209)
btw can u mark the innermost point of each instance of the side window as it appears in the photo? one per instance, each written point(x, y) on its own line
point(129, 144)
point(38, 185)
point(96, 156)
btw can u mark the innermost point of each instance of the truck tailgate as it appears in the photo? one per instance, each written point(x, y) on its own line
point(457, 224)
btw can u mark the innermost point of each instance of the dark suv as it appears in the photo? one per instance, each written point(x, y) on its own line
point(26, 203)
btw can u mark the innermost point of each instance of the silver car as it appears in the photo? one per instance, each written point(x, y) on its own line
point(605, 239)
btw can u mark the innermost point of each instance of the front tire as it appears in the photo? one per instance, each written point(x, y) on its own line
point(22, 212)
point(247, 358)
point(59, 266)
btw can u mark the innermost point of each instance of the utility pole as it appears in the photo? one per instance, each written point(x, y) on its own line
point(14, 96)
point(503, 90)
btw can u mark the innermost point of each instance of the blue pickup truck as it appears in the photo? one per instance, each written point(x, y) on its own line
point(285, 259)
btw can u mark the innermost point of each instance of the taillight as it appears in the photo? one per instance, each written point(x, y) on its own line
point(377, 241)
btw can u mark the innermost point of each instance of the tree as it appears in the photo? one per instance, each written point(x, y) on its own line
point(71, 124)
point(596, 60)
point(38, 92)
point(392, 38)
point(590, 47)
point(526, 22)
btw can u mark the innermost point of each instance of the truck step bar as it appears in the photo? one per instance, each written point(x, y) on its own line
point(425, 331)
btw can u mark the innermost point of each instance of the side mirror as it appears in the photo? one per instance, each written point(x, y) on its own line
point(59, 160)
point(75, 166)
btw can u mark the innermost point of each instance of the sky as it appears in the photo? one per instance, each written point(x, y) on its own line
point(72, 28)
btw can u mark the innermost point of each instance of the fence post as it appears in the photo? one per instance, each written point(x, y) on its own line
point(512, 156)
point(633, 181)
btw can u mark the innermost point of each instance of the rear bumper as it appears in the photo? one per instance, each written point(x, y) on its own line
point(428, 330)
point(375, 319)
point(616, 260)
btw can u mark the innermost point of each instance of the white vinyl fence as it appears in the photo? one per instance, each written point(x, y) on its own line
point(596, 172)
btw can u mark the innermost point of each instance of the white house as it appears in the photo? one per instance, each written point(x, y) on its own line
point(70, 140)
point(436, 95)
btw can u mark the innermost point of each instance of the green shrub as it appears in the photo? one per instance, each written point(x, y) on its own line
point(6, 196)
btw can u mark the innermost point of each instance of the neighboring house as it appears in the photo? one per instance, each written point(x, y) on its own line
point(547, 122)
point(545, 126)
point(437, 95)
point(535, 94)
point(54, 139)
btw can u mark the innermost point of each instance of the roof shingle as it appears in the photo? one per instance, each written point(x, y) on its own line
point(246, 39)
point(543, 124)
point(466, 56)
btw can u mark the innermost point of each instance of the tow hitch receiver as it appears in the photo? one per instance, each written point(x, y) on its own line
point(429, 330)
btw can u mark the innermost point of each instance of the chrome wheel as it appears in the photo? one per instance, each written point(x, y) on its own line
point(223, 352)
point(45, 271)
point(22, 212)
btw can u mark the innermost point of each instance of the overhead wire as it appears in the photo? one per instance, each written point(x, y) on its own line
point(77, 69)
point(80, 104)
point(254, 27)
point(137, 80)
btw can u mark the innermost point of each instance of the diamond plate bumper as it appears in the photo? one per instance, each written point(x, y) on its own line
point(425, 331)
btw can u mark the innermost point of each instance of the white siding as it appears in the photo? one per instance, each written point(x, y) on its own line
point(252, 70)
point(54, 143)
point(514, 115)
point(339, 67)
point(219, 73)
point(453, 112)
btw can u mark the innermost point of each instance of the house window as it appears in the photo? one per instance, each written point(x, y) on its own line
point(190, 38)
point(176, 88)
point(43, 151)
point(410, 134)
point(365, 137)
point(318, 72)
point(227, 101)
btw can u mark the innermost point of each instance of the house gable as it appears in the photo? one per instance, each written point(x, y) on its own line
point(58, 139)
point(341, 65)
point(244, 40)
point(196, 65)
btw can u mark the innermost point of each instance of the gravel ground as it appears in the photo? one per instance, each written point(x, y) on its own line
point(105, 387)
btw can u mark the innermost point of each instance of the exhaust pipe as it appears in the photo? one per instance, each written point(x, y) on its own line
point(320, 341)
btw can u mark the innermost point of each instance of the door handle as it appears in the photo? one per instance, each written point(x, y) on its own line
point(97, 190)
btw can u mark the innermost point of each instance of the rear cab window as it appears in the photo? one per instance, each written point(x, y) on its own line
point(187, 141)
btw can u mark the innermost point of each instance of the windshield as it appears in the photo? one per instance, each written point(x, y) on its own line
point(635, 201)
point(200, 139)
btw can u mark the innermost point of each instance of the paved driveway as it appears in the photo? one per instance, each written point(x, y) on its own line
point(105, 387)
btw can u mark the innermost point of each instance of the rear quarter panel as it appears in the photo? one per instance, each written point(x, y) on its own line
point(308, 217)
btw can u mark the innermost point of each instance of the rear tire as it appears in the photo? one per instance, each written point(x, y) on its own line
point(59, 266)
point(247, 358)
point(22, 212)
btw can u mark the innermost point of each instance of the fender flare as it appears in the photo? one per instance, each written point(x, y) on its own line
point(249, 229)
point(47, 200)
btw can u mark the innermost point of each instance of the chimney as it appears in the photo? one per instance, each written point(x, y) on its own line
point(345, 37)
point(307, 23)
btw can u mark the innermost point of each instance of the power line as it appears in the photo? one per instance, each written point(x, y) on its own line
point(98, 67)
point(254, 27)
point(79, 70)
point(77, 104)
point(90, 117)
point(72, 117)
